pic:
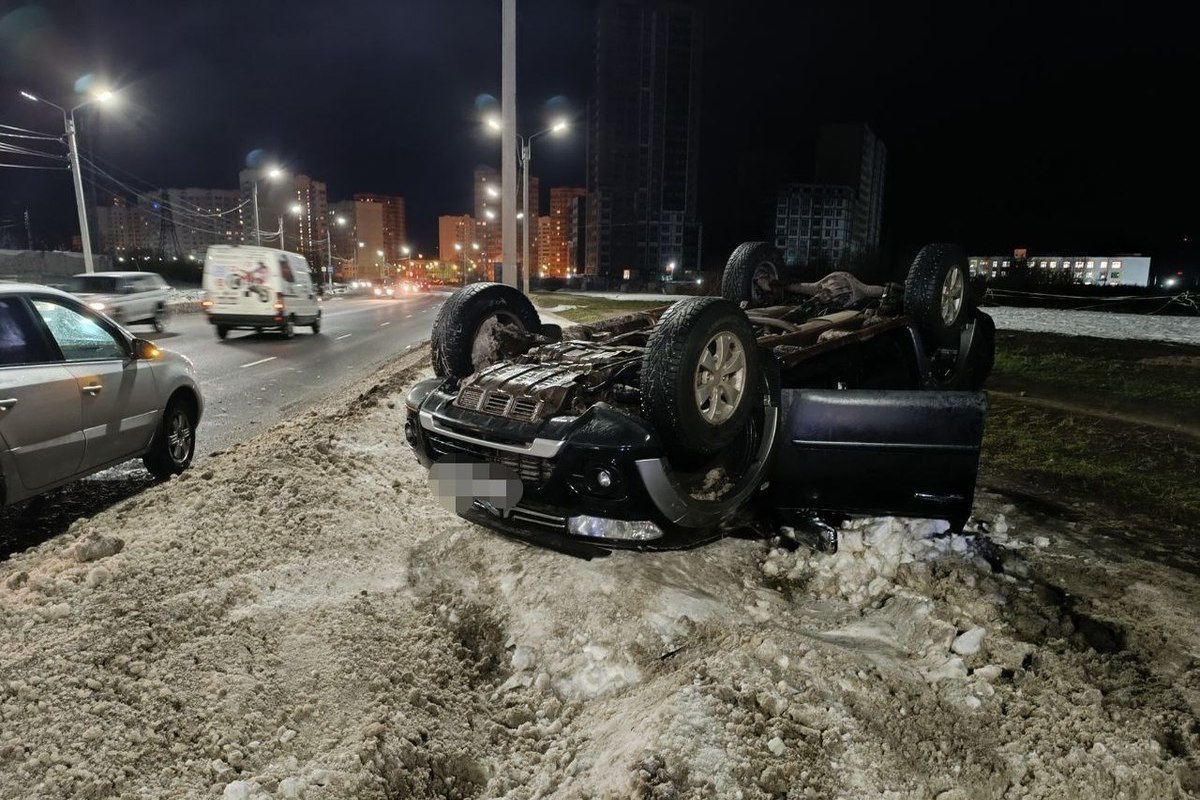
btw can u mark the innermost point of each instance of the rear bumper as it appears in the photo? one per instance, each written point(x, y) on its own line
point(255, 320)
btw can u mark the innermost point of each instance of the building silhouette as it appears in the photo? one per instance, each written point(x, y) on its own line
point(643, 139)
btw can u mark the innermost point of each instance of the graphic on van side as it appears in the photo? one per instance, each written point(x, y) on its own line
point(250, 280)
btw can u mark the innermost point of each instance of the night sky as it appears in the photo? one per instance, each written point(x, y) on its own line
point(1007, 124)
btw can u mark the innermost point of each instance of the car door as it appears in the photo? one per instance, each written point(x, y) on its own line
point(907, 453)
point(41, 431)
point(121, 406)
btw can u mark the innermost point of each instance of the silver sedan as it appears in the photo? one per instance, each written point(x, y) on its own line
point(79, 394)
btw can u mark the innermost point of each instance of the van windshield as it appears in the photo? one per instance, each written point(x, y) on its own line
point(93, 284)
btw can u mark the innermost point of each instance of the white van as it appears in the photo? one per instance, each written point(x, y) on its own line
point(256, 288)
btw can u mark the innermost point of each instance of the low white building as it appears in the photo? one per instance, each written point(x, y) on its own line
point(1124, 270)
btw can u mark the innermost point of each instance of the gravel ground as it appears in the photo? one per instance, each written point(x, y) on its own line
point(296, 619)
point(1105, 325)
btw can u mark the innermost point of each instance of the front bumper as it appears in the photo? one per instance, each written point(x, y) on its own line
point(559, 462)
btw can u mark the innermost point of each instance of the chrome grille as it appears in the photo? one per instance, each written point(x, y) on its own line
point(496, 403)
point(524, 408)
point(532, 470)
point(470, 397)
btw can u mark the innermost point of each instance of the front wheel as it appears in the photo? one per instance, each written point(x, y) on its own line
point(174, 443)
point(700, 376)
point(748, 275)
point(222, 331)
point(316, 327)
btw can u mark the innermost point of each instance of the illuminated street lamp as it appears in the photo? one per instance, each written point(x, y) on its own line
point(526, 143)
point(272, 173)
point(102, 96)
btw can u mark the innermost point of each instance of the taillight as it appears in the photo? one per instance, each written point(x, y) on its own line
point(206, 301)
point(279, 301)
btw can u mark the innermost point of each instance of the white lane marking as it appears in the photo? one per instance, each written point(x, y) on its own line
point(343, 336)
point(384, 324)
point(260, 361)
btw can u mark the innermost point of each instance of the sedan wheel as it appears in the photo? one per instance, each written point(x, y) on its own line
point(175, 443)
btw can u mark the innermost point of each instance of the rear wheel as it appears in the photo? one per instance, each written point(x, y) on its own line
point(935, 293)
point(287, 330)
point(700, 376)
point(472, 328)
point(174, 443)
point(750, 265)
point(222, 331)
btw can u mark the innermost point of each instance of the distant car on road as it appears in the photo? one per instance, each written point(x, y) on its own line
point(79, 394)
point(129, 298)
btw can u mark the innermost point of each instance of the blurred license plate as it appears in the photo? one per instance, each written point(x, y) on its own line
point(462, 485)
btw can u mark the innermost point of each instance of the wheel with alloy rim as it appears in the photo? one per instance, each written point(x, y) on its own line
point(720, 378)
point(174, 443)
point(935, 293)
point(751, 268)
point(699, 360)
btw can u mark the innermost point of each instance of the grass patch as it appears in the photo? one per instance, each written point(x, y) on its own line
point(586, 308)
point(1158, 378)
point(1130, 467)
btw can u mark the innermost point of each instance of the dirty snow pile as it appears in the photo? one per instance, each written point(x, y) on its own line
point(296, 619)
point(1104, 325)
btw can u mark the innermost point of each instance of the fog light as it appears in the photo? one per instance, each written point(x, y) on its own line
point(603, 479)
point(622, 529)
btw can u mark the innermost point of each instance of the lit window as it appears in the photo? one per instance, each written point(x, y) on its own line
point(1091, 265)
point(1116, 265)
point(1103, 264)
point(1053, 265)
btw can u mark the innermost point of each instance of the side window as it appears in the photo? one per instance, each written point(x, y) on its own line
point(20, 341)
point(79, 337)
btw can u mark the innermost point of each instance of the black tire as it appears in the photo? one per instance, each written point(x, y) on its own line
point(316, 327)
point(174, 442)
point(160, 314)
point(671, 367)
point(222, 331)
point(460, 319)
point(747, 261)
point(938, 273)
point(287, 330)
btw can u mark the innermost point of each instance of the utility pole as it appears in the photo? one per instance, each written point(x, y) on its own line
point(84, 236)
point(508, 113)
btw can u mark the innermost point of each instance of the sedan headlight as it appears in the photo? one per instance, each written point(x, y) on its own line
point(97, 306)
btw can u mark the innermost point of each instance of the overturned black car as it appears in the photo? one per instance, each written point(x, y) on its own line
point(780, 403)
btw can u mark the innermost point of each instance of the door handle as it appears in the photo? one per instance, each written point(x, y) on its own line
point(93, 389)
point(5, 405)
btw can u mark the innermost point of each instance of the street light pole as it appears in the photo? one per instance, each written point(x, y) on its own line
point(85, 240)
point(272, 174)
point(525, 212)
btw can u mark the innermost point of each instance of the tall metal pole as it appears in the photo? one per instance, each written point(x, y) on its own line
point(508, 137)
point(84, 237)
point(281, 247)
point(525, 215)
point(257, 227)
point(328, 259)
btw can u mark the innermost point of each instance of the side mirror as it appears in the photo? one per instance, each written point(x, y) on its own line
point(145, 351)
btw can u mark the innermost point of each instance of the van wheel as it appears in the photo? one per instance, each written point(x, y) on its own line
point(222, 331)
point(288, 329)
point(174, 443)
point(316, 327)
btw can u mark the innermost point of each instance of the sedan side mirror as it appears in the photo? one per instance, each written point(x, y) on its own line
point(145, 351)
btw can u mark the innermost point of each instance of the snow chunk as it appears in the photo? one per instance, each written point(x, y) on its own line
point(968, 643)
point(776, 746)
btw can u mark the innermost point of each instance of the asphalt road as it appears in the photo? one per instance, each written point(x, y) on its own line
point(250, 381)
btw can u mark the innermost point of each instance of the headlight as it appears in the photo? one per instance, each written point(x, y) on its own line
point(604, 528)
point(96, 306)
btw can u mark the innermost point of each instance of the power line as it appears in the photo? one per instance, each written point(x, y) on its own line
point(26, 130)
point(174, 207)
point(31, 166)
